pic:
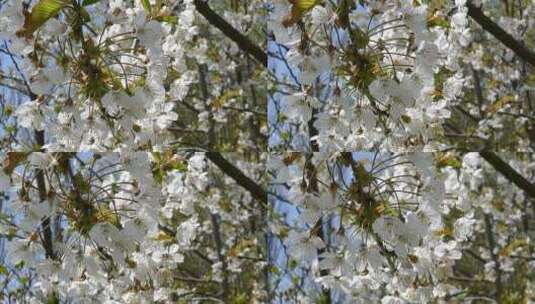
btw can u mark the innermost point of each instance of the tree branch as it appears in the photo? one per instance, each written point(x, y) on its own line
point(16, 65)
point(504, 168)
point(256, 191)
point(41, 185)
point(45, 224)
point(216, 233)
point(509, 173)
point(241, 40)
point(495, 258)
point(320, 229)
point(490, 26)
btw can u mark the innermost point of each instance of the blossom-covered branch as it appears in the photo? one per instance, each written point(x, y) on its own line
point(237, 175)
point(509, 172)
point(520, 49)
point(241, 40)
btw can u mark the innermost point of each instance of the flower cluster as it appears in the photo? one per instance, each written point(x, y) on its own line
point(395, 75)
point(396, 228)
point(103, 75)
point(267, 151)
point(155, 227)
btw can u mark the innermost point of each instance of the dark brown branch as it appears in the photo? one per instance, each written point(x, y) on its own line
point(490, 26)
point(22, 91)
point(256, 191)
point(45, 224)
point(40, 139)
point(241, 40)
point(478, 90)
point(504, 168)
point(46, 237)
point(220, 256)
point(39, 135)
point(312, 131)
point(495, 258)
point(319, 229)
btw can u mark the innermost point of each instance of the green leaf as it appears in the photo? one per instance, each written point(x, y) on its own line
point(52, 299)
point(323, 299)
point(84, 15)
point(146, 5)
point(448, 160)
point(305, 5)
point(299, 8)
point(3, 270)
point(500, 103)
point(530, 80)
point(438, 21)
point(274, 269)
point(40, 14)
point(89, 2)
point(168, 19)
point(24, 280)
point(240, 298)
point(406, 119)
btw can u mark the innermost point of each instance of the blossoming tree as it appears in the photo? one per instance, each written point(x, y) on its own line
point(421, 83)
point(139, 227)
point(397, 139)
point(400, 228)
point(108, 192)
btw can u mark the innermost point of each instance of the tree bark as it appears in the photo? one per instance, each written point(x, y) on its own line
point(41, 185)
point(495, 258)
point(508, 172)
point(495, 30)
point(256, 190)
point(241, 40)
point(216, 233)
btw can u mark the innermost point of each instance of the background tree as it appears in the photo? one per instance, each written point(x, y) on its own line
point(157, 221)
